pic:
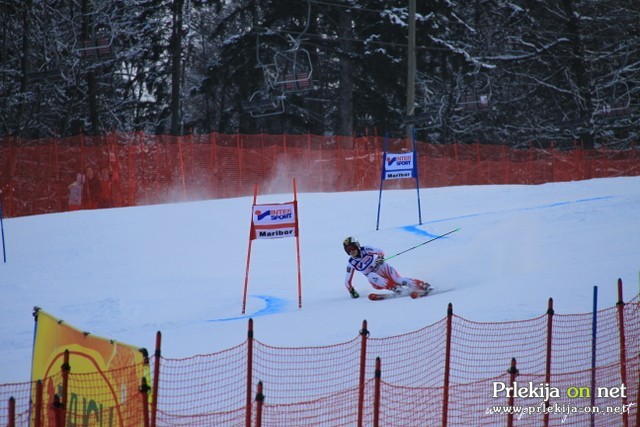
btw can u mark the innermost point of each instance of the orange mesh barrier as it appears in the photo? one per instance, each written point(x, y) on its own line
point(21, 393)
point(395, 381)
point(144, 169)
point(99, 409)
point(212, 387)
point(331, 369)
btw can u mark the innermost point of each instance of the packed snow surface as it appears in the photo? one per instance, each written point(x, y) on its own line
point(180, 268)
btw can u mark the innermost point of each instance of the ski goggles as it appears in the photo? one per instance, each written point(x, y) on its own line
point(351, 247)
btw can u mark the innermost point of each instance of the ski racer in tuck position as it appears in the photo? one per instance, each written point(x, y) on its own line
point(370, 262)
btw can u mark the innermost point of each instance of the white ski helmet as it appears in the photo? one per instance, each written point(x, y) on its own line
point(350, 243)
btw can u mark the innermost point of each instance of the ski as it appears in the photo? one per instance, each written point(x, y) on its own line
point(419, 294)
point(374, 296)
point(379, 297)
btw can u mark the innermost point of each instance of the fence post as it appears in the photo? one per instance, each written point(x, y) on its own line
point(376, 396)
point(12, 412)
point(66, 368)
point(479, 167)
point(633, 171)
point(182, 177)
point(447, 367)
point(529, 167)
point(309, 185)
point(340, 163)
point(552, 150)
point(12, 171)
point(623, 351)
point(144, 400)
point(364, 333)
point(263, 172)
point(131, 173)
point(259, 402)
point(58, 411)
point(213, 166)
point(638, 397)
point(456, 163)
point(594, 335)
point(605, 157)
point(144, 388)
point(57, 172)
point(37, 422)
point(284, 154)
point(504, 162)
point(547, 375)
point(83, 154)
point(239, 150)
point(249, 372)
point(513, 373)
point(156, 379)
point(4, 245)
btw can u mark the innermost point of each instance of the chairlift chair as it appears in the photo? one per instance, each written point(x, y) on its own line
point(44, 76)
point(476, 96)
point(95, 48)
point(293, 70)
point(474, 102)
point(613, 110)
point(99, 44)
point(261, 104)
point(416, 119)
point(615, 103)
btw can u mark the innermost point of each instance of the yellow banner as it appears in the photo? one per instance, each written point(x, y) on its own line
point(104, 377)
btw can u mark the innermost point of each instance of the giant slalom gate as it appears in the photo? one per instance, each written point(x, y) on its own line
point(444, 374)
point(35, 174)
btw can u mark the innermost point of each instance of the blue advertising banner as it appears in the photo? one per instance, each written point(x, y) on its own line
point(399, 166)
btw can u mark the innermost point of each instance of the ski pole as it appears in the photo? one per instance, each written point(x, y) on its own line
point(423, 243)
point(4, 249)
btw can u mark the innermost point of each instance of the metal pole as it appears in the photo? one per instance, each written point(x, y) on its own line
point(384, 154)
point(421, 244)
point(415, 169)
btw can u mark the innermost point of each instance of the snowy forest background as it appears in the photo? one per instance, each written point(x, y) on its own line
point(494, 71)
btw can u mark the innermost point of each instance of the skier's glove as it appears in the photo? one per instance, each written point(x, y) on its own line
point(379, 262)
point(354, 293)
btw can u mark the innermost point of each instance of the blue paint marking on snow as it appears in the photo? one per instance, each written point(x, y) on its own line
point(273, 305)
point(416, 230)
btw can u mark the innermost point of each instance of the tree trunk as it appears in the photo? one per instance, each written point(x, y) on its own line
point(176, 69)
point(345, 115)
point(92, 87)
point(579, 70)
point(26, 52)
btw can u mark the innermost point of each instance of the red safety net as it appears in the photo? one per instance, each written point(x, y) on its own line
point(90, 401)
point(21, 395)
point(35, 175)
point(444, 374)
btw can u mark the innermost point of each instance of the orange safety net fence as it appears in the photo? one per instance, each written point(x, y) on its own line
point(89, 401)
point(442, 374)
point(35, 175)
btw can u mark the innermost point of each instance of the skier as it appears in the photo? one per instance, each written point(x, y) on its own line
point(370, 262)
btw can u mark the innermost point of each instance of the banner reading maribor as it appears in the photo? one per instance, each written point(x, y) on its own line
point(104, 378)
point(400, 165)
point(274, 221)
